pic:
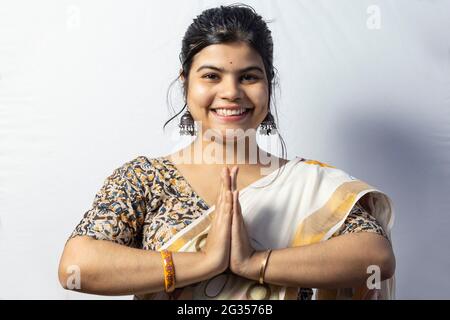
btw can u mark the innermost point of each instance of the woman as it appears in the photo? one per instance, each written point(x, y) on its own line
point(202, 223)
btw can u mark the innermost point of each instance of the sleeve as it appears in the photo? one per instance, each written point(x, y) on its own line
point(118, 211)
point(359, 220)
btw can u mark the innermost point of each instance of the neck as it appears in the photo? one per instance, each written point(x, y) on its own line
point(230, 152)
point(238, 151)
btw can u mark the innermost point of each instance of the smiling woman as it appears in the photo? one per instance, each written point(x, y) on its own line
point(229, 88)
point(176, 229)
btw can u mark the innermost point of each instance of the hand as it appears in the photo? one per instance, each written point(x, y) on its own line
point(242, 253)
point(217, 247)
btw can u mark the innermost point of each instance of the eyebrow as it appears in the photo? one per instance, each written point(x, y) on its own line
point(223, 70)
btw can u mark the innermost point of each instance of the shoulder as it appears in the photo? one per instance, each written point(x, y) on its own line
point(317, 163)
point(327, 170)
point(143, 164)
point(330, 179)
point(141, 170)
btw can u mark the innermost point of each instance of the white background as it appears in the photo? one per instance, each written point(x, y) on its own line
point(365, 86)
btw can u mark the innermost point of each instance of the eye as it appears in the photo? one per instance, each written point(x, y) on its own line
point(250, 77)
point(210, 76)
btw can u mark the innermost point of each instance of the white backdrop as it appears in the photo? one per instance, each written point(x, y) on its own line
point(365, 86)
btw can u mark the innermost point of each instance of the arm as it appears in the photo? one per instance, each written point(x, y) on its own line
point(104, 244)
point(108, 268)
point(339, 262)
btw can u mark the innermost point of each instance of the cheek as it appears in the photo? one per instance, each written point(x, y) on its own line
point(200, 96)
point(260, 99)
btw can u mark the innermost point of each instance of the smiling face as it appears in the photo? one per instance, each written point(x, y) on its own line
point(227, 76)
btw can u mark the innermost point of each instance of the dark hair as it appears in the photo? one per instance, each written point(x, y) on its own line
point(226, 24)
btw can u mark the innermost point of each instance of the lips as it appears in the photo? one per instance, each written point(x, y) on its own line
point(229, 112)
point(231, 118)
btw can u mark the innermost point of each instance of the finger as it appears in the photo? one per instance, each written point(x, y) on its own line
point(240, 209)
point(221, 200)
point(234, 202)
point(237, 207)
point(227, 179)
point(229, 203)
point(233, 169)
point(235, 221)
point(233, 178)
point(226, 202)
point(225, 175)
point(220, 193)
point(222, 181)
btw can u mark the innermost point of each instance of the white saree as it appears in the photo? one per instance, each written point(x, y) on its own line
point(307, 203)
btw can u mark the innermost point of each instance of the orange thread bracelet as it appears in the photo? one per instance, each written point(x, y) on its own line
point(169, 271)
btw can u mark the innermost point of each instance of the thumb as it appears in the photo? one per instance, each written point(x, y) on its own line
point(237, 213)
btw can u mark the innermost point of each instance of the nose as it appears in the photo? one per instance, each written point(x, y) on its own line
point(230, 89)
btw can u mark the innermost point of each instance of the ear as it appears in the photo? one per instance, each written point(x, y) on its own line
point(181, 75)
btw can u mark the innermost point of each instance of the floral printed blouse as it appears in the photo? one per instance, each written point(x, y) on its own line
point(147, 200)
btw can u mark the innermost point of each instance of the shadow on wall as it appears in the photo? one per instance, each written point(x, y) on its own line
point(404, 159)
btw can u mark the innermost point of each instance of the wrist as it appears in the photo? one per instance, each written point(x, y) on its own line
point(252, 268)
point(210, 266)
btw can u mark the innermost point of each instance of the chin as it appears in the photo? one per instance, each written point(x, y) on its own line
point(237, 132)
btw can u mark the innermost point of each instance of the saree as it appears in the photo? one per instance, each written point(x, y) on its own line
point(307, 203)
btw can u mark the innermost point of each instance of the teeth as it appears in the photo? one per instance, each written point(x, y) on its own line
point(226, 112)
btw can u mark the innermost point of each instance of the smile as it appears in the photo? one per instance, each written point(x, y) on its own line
point(227, 115)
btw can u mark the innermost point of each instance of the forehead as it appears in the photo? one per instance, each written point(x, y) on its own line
point(229, 56)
